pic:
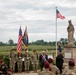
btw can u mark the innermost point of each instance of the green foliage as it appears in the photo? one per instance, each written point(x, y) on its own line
point(7, 61)
point(5, 50)
point(31, 67)
point(10, 42)
point(1, 56)
point(63, 41)
point(39, 48)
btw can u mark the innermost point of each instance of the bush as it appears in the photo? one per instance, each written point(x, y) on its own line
point(1, 56)
point(7, 61)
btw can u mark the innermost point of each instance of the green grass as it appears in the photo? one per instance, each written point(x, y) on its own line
point(6, 49)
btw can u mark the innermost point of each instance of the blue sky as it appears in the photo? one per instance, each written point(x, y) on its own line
point(38, 16)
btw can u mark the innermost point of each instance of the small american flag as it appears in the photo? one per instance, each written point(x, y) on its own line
point(19, 44)
point(58, 15)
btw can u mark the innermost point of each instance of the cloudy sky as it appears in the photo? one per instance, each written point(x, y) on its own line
point(38, 15)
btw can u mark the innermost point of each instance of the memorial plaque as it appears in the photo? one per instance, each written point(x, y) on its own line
point(68, 55)
point(50, 56)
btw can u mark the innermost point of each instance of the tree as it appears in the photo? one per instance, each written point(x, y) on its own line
point(64, 41)
point(10, 42)
point(39, 42)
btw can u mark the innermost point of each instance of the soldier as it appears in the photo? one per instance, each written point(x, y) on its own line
point(3, 68)
point(54, 69)
point(70, 69)
point(19, 59)
point(12, 60)
point(72, 73)
point(46, 71)
point(27, 60)
point(34, 59)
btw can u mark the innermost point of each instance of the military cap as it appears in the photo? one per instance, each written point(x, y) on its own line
point(9, 69)
point(71, 62)
point(46, 65)
point(1, 61)
point(50, 60)
point(34, 50)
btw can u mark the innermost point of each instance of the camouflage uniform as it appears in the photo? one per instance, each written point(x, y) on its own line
point(55, 70)
point(46, 72)
point(34, 60)
point(68, 71)
point(27, 61)
point(19, 62)
point(12, 60)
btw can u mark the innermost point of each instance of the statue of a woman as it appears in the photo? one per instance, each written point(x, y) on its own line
point(70, 30)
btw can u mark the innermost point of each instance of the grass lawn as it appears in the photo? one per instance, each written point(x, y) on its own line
point(6, 49)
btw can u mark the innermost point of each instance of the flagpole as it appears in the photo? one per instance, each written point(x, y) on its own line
point(56, 33)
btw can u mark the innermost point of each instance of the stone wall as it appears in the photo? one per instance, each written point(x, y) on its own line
point(69, 52)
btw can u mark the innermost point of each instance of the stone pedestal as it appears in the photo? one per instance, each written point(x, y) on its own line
point(69, 52)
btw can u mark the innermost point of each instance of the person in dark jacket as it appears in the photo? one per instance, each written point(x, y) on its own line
point(59, 61)
point(42, 59)
point(3, 68)
point(59, 47)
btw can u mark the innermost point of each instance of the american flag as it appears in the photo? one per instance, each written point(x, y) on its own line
point(19, 44)
point(58, 15)
point(25, 38)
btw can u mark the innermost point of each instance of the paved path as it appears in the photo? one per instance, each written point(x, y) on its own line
point(25, 73)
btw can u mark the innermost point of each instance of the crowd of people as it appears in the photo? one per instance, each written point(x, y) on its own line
point(23, 60)
point(57, 69)
point(45, 64)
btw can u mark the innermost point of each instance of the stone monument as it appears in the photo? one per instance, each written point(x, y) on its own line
point(70, 48)
point(70, 30)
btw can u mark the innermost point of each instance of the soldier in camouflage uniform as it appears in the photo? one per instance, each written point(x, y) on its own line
point(70, 69)
point(19, 62)
point(12, 60)
point(54, 69)
point(46, 71)
point(26, 60)
point(34, 60)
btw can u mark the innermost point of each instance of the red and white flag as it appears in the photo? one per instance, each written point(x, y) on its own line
point(58, 15)
point(19, 44)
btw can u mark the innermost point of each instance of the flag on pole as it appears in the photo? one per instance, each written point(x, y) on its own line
point(58, 15)
point(25, 38)
point(19, 44)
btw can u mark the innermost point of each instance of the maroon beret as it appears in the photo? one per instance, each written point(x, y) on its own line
point(34, 50)
point(72, 60)
point(46, 65)
point(50, 60)
point(1, 61)
point(9, 69)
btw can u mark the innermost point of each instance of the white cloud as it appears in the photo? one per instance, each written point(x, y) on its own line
point(39, 36)
point(38, 15)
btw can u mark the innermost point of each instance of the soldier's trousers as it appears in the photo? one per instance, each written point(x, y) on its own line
point(19, 66)
point(12, 65)
point(35, 65)
point(27, 65)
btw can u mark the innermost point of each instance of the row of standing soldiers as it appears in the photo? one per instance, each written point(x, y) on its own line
point(26, 58)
